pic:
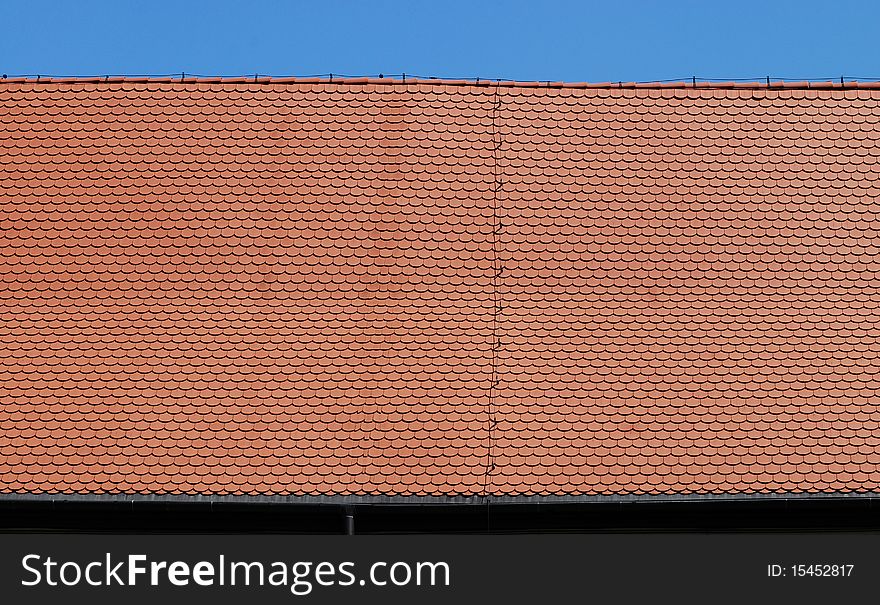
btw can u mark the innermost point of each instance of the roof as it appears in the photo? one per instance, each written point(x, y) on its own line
point(438, 289)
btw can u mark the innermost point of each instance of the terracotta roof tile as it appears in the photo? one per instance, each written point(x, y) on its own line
point(294, 287)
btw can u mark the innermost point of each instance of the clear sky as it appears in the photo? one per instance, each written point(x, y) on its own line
point(529, 40)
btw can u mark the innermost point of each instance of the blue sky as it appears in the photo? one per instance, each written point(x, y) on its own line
point(528, 40)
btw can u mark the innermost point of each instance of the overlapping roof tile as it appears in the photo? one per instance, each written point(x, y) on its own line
point(353, 288)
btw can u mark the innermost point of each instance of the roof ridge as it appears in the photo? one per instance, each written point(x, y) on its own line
point(768, 84)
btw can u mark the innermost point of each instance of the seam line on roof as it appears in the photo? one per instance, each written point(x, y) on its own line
point(496, 302)
point(491, 393)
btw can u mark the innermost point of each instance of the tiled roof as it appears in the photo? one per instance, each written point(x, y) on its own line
point(429, 288)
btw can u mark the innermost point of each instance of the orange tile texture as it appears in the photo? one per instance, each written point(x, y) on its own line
point(318, 289)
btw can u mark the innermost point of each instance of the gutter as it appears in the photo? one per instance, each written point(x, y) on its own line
point(453, 500)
